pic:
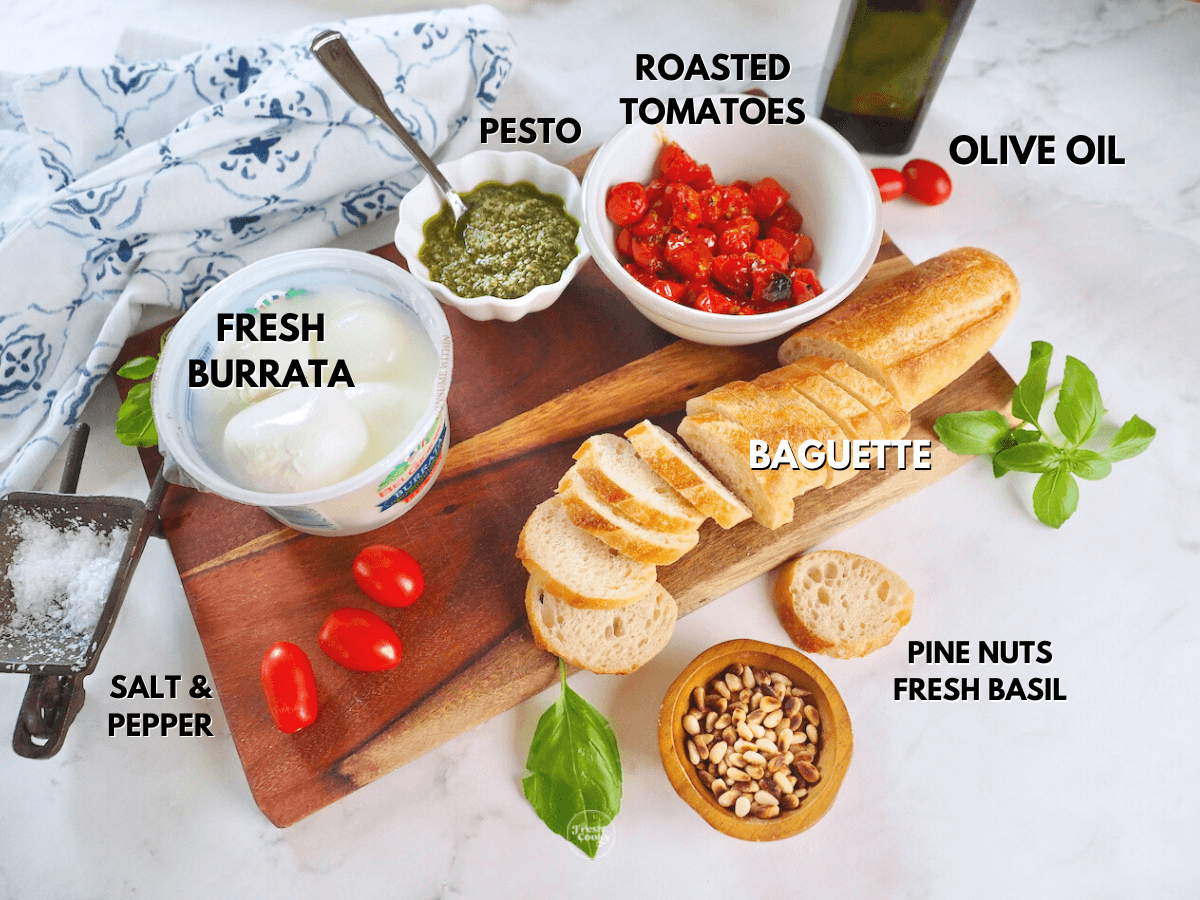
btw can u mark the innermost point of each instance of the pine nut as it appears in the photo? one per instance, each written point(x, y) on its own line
point(723, 721)
point(811, 731)
point(719, 786)
point(791, 706)
point(741, 807)
point(765, 745)
point(717, 751)
point(733, 682)
point(698, 698)
point(756, 772)
point(735, 774)
point(693, 753)
point(784, 783)
point(771, 719)
point(704, 740)
point(758, 731)
point(754, 757)
point(767, 812)
point(723, 689)
point(810, 713)
point(744, 730)
point(766, 799)
point(780, 678)
point(691, 724)
point(769, 704)
point(734, 758)
point(808, 772)
point(748, 678)
point(789, 801)
point(727, 799)
point(741, 746)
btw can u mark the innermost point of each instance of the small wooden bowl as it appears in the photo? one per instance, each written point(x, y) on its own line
point(837, 741)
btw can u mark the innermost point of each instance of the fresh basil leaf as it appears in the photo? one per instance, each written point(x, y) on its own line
point(1079, 409)
point(1030, 392)
point(976, 433)
point(1131, 439)
point(1030, 458)
point(1055, 497)
point(575, 769)
point(137, 369)
point(135, 418)
point(1088, 464)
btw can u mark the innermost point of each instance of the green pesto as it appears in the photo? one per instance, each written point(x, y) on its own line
point(516, 238)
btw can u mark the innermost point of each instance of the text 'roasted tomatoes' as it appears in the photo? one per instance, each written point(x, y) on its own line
point(891, 183)
point(927, 181)
point(290, 687)
point(388, 575)
point(360, 640)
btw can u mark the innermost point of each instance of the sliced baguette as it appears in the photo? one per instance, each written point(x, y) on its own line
point(808, 421)
point(725, 447)
point(605, 641)
point(600, 519)
point(576, 567)
point(841, 604)
point(610, 467)
point(682, 471)
point(917, 332)
point(765, 419)
point(893, 418)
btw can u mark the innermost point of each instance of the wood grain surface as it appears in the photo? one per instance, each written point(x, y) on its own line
point(523, 396)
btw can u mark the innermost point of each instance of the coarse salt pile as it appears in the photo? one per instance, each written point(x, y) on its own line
point(60, 580)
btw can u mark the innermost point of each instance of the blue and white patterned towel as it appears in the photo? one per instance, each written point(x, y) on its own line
point(145, 184)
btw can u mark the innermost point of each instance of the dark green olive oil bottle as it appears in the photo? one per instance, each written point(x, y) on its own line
point(885, 62)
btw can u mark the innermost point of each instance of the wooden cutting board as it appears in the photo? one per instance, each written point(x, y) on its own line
point(523, 397)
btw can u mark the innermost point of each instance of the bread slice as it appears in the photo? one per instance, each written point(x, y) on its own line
point(808, 422)
point(841, 604)
point(917, 332)
point(766, 420)
point(576, 567)
point(725, 447)
point(682, 471)
point(893, 418)
point(603, 520)
point(605, 641)
point(610, 467)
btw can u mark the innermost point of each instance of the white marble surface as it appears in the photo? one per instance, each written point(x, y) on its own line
point(1095, 797)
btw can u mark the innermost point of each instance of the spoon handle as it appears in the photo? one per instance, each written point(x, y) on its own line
point(332, 52)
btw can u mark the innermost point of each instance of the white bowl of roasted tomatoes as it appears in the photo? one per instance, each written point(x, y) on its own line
point(731, 233)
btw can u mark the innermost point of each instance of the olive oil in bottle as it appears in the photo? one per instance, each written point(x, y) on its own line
point(885, 62)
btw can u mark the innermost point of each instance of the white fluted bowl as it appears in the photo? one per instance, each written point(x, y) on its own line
point(423, 202)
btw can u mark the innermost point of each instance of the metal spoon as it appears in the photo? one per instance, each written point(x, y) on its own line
point(332, 52)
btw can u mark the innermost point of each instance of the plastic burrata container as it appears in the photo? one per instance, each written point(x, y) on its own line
point(362, 501)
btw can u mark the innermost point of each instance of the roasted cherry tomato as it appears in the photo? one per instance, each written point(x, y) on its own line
point(672, 290)
point(676, 165)
point(708, 299)
point(688, 256)
point(927, 181)
point(788, 218)
point(360, 640)
point(732, 272)
point(289, 686)
point(388, 575)
point(773, 253)
point(768, 197)
point(685, 206)
point(891, 183)
point(626, 202)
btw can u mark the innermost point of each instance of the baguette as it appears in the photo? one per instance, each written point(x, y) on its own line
point(893, 418)
point(724, 446)
point(841, 604)
point(919, 331)
point(676, 466)
point(808, 421)
point(600, 519)
point(576, 567)
point(611, 468)
point(607, 642)
point(765, 419)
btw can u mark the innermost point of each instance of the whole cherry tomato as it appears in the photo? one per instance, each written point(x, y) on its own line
point(891, 183)
point(927, 181)
point(388, 575)
point(290, 687)
point(360, 640)
point(768, 197)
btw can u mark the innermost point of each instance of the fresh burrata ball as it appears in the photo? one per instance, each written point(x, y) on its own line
point(390, 410)
point(283, 352)
point(372, 338)
point(297, 440)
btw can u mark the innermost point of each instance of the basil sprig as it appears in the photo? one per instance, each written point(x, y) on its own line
point(1026, 447)
point(576, 769)
point(135, 419)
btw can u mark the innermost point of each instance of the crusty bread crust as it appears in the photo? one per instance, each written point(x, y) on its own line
point(922, 329)
point(611, 468)
point(891, 415)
